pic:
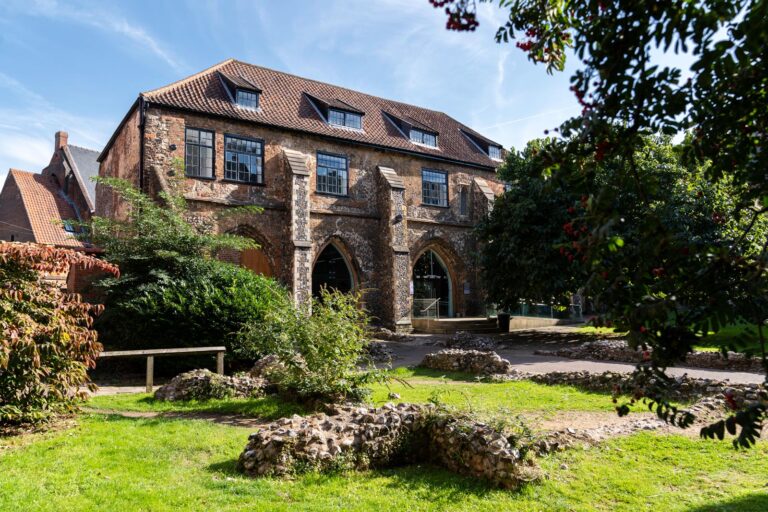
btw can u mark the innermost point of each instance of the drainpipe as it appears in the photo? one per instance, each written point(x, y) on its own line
point(142, 119)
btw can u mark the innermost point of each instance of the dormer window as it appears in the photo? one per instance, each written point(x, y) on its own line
point(343, 118)
point(423, 137)
point(336, 112)
point(243, 92)
point(247, 99)
point(490, 148)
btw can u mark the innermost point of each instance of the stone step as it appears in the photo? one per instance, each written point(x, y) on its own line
point(454, 325)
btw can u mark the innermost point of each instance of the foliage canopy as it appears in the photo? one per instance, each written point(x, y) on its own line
point(629, 92)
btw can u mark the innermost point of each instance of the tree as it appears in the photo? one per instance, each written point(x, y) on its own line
point(627, 93)
point(46, 339)
point(524, 236)
point(172, 290)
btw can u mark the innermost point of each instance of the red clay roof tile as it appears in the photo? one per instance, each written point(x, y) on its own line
point(46, 208)
point(284, 103)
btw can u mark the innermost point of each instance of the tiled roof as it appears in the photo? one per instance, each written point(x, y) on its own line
point(284, 103)
point(86, 166)
point(46, 208)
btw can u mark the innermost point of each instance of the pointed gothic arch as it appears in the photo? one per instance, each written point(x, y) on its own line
point(260, 260)
point(334, 267)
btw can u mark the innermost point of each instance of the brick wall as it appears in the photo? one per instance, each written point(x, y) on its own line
point(14, 223)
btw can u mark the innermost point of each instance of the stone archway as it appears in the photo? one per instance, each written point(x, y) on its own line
point(333, 268)
point(258, 260)
point(432, 287)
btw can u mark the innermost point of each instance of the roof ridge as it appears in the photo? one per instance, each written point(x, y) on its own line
point(190, 77)
point(337, 86)
point(13, 170)
point(83, 148)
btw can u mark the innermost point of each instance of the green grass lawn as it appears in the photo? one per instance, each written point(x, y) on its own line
point(115, 463)
point(110, 462)
point(713, 342)
point(456, 389)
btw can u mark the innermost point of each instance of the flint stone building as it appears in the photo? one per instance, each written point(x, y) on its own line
point(358, 192)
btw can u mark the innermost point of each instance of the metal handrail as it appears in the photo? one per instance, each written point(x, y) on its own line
point(437, 309)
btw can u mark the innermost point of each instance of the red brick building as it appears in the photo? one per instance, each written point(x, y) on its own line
point(358, 192)
point(38, 207)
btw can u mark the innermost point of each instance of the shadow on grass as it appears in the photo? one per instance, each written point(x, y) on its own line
point(265, 408)
point(417, 371)
point(755, 502)
point(407, 478)
point(225, 468)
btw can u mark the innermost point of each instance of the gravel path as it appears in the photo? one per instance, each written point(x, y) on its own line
point(519, 346)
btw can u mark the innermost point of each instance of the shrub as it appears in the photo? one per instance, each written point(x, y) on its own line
point(46, 340)
point(318, 352)
point(172, 291)
point(187, 301)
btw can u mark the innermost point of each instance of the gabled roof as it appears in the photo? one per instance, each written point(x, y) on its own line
point(85, 166)
point(284, 103)
point(46, 208)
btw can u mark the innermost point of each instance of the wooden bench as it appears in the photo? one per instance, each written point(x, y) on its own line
point(151, 353)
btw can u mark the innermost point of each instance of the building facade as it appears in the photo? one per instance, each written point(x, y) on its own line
point(45, 207)
point(358, 192)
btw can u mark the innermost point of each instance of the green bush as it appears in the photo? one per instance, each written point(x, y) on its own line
point(187, 301)
point(320, 351)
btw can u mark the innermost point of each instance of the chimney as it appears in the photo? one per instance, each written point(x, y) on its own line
point(60, 140)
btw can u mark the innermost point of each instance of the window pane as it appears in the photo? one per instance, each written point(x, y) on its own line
point(354, 121)
point(331, 174)
point(434, 188)
point(336, 117)
point(247, 99)
point(198, 160)
point(494, 152)
point(243, 160)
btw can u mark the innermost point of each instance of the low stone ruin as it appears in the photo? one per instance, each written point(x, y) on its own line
point(358, 437)
point(682, 388)
point(468, 361)
point(382, 333)
point(468, 341)
point(497, 369)
point(619, 350)
point(379, 353)
point(206, 385)
point(266, 367)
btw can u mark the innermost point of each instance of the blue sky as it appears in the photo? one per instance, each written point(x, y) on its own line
point(78, 65)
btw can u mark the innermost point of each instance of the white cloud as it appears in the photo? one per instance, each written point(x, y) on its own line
point(27, 128)
point(101, 19)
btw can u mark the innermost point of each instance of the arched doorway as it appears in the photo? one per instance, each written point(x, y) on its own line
point(431, 282)
point(256, 261)
point(331, 270)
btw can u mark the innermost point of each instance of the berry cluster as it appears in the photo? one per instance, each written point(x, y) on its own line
point(575, 232)
point(461, 20)
point(461, 16)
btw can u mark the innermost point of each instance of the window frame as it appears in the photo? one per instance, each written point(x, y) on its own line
point(345, 114)
point(248, 139)
point(421, 139)
point(212, 148)
point(239, 90)
point(317, 174)
point(445, 176)
point(490, 147)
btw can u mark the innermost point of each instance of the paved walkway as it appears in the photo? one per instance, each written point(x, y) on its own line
point(518, 347)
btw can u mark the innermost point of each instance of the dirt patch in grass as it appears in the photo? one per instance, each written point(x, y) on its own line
point(232, 420)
